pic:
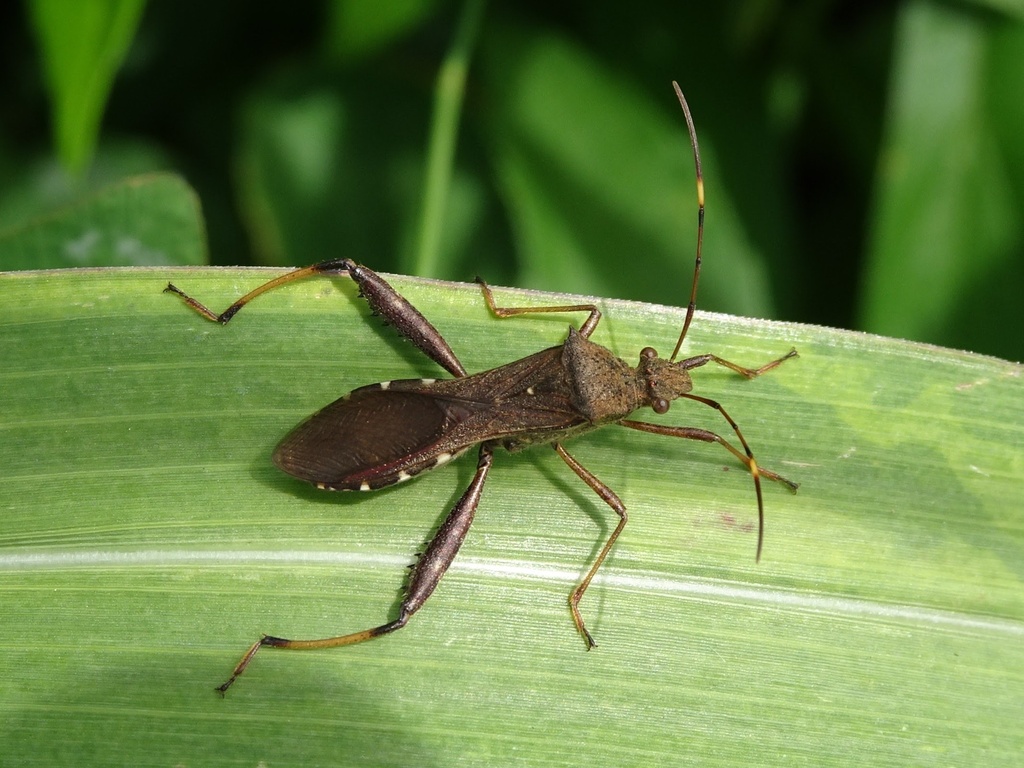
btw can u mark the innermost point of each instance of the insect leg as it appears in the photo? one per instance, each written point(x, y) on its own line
point(608, 496)
point(382, 298)
point(426, 574)
point(585, 330)
point(748, 373)
point(336, 267)
point(746, 455)
point(397, 312)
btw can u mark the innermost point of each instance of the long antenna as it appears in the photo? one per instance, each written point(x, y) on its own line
point(700, 218)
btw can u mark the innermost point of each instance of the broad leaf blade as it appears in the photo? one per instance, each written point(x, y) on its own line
point(147, 220)
point(147, 540)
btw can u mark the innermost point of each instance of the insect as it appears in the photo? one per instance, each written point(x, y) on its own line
point(389, 432)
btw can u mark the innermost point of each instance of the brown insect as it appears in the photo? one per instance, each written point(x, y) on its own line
point(389, 432)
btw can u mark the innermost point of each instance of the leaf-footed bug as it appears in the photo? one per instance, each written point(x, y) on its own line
point(385, 433)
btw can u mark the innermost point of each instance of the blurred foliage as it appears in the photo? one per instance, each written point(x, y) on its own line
point(863, 161)
point(82, 45)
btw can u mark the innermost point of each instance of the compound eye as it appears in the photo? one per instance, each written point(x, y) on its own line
point(647, 353)
point(659, 405)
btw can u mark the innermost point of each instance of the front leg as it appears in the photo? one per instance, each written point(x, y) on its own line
point(748, 373)
point(382, 298)
point(746, 455)
point(425, 576)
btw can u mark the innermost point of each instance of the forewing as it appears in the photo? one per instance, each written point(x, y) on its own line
point(385, 433)
point(372, 438)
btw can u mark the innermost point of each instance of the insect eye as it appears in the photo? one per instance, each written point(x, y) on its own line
point(659, 405)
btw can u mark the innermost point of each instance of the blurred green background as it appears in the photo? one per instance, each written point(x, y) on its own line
point(864, 162)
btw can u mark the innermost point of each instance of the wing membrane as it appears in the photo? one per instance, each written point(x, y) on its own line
point(372, 438)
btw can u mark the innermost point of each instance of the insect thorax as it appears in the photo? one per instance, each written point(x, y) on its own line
point(605, 387)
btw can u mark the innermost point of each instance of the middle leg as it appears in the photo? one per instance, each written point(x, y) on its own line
point(585, 330)
point(608, 497)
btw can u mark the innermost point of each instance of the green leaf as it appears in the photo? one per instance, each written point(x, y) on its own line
point(144, 221)
point(449, 91)
point(288, 171)
point(147, 540)
point(83, 45)
point(947, 234)
point(359, 28)
point(1007, 7)
point(38, 186)
point(591, 170)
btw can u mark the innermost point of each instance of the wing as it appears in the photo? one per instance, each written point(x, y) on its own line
point(385, 433)
point(528, 401)
point(371, 438)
